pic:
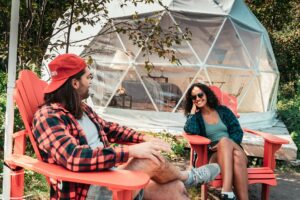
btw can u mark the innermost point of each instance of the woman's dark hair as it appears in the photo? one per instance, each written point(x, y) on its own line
point(212, 100)
point(67, 96)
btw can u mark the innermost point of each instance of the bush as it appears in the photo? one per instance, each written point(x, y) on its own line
point(289, 110)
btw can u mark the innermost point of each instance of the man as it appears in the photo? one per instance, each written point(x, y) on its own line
point(71, 134)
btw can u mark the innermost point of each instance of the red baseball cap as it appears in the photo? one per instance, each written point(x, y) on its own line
point(62, 68)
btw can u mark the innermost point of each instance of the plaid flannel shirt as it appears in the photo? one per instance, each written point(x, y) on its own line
point(195, 124)
point(62, 141)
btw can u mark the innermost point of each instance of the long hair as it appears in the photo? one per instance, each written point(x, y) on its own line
point(212, 100)
point(67, 96)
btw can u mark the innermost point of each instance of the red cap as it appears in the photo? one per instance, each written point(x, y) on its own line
point(63, 67)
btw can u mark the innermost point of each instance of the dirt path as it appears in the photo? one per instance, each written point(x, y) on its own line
point(288, 187)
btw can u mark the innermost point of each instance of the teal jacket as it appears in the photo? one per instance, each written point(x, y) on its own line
point(195, 124)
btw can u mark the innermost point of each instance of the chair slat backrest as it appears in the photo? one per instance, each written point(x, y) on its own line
point(226, 99)
point(29, 96)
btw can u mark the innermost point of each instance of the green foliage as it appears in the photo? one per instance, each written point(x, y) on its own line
point(281, 18)
point(178, 145)
point(282, 21)
point(3, 82)
point(37, 20)
point(36, 185)
point(35, 28)
point(289, 110)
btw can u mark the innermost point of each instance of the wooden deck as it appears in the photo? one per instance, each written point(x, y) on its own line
point(253, 145)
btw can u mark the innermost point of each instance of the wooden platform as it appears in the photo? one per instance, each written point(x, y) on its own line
point(253, 145)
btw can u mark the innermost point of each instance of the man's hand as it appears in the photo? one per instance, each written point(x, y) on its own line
point(150, 150)
point(149, 138)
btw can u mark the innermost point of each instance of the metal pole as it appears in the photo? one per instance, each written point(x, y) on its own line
point(9, 115)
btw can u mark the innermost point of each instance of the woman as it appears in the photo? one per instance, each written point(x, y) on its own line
point(206, 117)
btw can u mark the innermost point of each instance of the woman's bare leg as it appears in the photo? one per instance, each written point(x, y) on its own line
point(240, 174)
point(225, 160)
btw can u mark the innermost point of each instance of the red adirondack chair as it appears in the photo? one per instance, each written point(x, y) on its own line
point(28, 97)
point(264, 175)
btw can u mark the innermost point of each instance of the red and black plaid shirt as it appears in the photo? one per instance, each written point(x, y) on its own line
point(62, 141)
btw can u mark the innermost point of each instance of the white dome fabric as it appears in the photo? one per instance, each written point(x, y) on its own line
point(229, 48)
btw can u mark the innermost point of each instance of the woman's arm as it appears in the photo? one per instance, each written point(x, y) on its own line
point(192, 125)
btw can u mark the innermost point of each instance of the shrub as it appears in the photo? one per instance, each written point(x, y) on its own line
point(289, 110)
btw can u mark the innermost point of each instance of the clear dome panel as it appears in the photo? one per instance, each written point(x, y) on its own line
point(105, 82)
point(181, 51)
point(253, 99)
point(228, 49)
point(172, 81)
point(233, 82)
point(132, 94)
point(268, 81)
point(202, 77)
point(104, 46)
point(251, 40)
point(203, 28)
point(193, 77)
point(266, 61)
point(169, 82)
point(130, 24)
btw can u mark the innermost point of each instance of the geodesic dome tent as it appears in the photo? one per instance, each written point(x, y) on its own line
point(229, 48)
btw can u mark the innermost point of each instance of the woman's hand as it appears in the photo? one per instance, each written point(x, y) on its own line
point(214, 148)
point(194, 109)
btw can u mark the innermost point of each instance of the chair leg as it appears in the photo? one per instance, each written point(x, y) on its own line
point(17, 184)
point(203, 192)
point(122, 195)
point(265, 192)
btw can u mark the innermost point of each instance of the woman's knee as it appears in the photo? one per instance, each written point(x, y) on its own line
point(239, 158)
point(224, 143)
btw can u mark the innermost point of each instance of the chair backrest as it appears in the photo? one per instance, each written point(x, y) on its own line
point(29, 96)
point(226, 99)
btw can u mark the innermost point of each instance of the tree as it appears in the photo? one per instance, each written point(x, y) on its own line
point(282, 21)
point(37, 19)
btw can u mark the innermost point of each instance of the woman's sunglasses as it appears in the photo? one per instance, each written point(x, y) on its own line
point(200, 95)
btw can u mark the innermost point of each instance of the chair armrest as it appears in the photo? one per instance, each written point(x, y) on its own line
point(272, 144)
point(113, 179)
point(199, 145)
point(196, 139)
point(267, 136)
point(19, 134)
